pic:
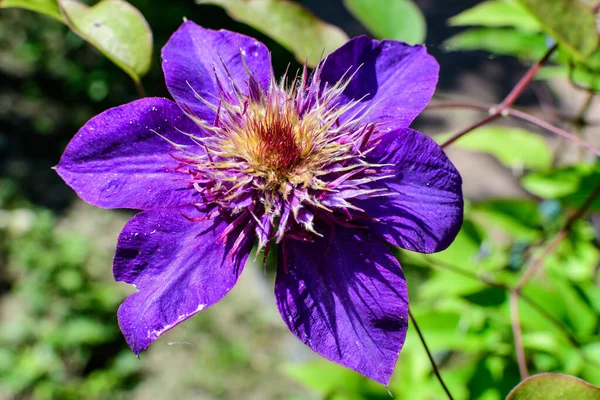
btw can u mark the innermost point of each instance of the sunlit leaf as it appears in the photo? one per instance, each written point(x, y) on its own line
point(499, 41)
point(497, 13)
point(390, 19)
point(290, 24)
point(323, 376)
point(552, 72)
point(117, 29)
point(47, 7)
point(570, 22)
point(587, 74)
point(552, 386)
point(488, 297)
point(569, 185)
point(513, 147)
point(518, 218)
point(577, 256)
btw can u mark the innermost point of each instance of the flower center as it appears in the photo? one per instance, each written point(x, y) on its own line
point(276, 159)
point(275, 142)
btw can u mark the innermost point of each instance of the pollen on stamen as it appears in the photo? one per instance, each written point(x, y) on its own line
point(276, 159)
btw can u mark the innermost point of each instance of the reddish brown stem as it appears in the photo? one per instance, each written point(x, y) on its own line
point(538, 262)
point(458, 135)
point(140, 89)
point(515, 114)
point(518, 336)
point(508, 101)
point(537, 307)
point(551, 128)
point(526, 80)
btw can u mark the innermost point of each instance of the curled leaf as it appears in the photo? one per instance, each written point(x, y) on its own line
point(570, 22)
point(552, 386)
point(390, 19)
point(116, 28)
point(46, 7)
point(498, 13)
point(290, 24)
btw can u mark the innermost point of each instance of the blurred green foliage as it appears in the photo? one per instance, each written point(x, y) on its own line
point(526, 29)
point(116, 28)
point(59, 336)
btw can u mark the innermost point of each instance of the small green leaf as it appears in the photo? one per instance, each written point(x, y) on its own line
point(577, 257)
point(46, 7)
point(505, 42)
point(513, 147)
point(294, 27)
point(552, 72)
point(552, 386)
point(498, 13)
point(488, 297)
point(117, 29)
point(555, 183)
point(587, 75)
point(518, 218)
point(570, 22)
point(390, 19)
point(570, 185)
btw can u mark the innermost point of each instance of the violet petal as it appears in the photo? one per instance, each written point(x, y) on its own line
point(118, 159)
point(178, 268)
point(345, 297)
point(394, 78)
point(425, 209)
point(194, 58)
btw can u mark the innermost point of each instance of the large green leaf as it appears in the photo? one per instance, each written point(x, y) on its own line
point(500, 41)
point(552, 386)
point(513, 147)
point(294, 27)
point(117, 29)
point(390, 19)
point(47, 7)
point(498, 13)
point(570, 22)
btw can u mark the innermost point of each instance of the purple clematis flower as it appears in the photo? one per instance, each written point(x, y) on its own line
point(324, 165)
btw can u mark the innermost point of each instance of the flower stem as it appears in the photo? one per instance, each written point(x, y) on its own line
point(140, 89)
point(526, 80)
point(497, 112)
point(575, 342)
point(515, 114)
point(537, 263)
point(517, 334)
point(431, 360)
point(530, 273)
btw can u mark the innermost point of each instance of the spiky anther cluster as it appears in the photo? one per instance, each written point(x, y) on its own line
point(277, 159)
